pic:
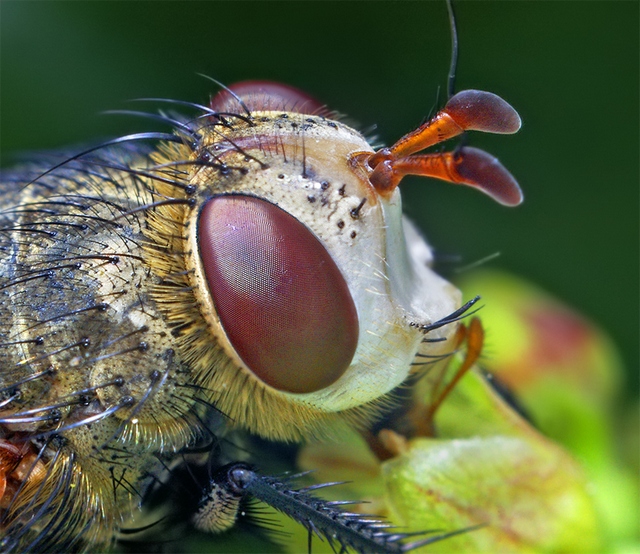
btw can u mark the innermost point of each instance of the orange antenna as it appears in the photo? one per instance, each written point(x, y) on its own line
point(469, 110)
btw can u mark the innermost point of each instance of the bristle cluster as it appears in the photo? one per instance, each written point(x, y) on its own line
point(90, 385)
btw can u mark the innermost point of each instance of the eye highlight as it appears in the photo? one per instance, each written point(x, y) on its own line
point(281, 299)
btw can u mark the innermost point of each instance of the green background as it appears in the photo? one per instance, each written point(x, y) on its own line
point(570, 68)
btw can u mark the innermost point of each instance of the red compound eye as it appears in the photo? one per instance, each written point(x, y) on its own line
point(281, 299)
point(267, 96)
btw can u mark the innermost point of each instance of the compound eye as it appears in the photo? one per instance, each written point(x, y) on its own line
point(266, 96)
point(281, 299)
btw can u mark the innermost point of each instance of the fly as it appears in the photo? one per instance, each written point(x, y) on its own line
point(248, 273)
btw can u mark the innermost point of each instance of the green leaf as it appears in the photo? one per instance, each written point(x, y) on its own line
point(529, 497)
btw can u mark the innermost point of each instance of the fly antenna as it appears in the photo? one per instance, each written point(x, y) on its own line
point(451, 84)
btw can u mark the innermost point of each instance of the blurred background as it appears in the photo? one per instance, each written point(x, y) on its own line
point(570, 68)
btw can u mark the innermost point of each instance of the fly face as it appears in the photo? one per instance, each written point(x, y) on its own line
point(301, 269)
point(291, 242)
point(250, 270)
